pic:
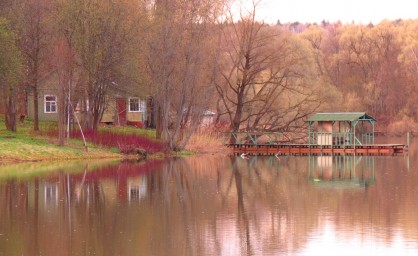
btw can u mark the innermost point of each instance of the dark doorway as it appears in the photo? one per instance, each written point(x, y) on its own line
point(121, 111)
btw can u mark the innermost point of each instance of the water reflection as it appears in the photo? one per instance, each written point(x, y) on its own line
point(342, 171)
point(213, 206)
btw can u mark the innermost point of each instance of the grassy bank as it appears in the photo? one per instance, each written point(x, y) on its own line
point(26, 145)
point(22, 146)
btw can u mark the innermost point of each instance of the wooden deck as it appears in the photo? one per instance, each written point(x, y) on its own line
point(305, 149)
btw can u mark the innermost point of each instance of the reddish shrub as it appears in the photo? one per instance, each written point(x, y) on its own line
point(136, 124)
point(124, 142)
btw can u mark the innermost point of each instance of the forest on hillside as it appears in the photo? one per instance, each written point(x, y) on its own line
point(198, 55)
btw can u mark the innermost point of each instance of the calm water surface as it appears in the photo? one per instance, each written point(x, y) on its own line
point(212, 205)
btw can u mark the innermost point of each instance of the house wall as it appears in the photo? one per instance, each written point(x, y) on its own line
point(135, 116)
point(30, 114)
point(326, 126)
point(41, 113)
point(208, 120)
point(110, 112)
point(109, 116)
point(325, 139)
point(48, 87)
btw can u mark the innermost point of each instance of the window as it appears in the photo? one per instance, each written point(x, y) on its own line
point(51, 193)
point(50, 104)
point(134, 105)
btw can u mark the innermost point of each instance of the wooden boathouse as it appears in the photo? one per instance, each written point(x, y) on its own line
point(348, 133)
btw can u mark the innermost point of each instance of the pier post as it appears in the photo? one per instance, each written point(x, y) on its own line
point(407, 139)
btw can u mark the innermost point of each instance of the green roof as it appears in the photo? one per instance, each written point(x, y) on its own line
point(345, 116)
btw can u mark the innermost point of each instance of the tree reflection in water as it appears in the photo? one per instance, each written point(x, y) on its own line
point(209, 206)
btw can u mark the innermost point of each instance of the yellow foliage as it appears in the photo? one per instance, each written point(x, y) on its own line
point(406, 124)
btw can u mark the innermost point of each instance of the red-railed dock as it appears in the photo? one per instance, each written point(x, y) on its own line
point(306, 149)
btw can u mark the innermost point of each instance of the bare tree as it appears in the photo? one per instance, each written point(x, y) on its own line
point(10, 73)
point(31, 17)
point(180, 52)
point(100, 31)
point(264, 76)
point(63, 63)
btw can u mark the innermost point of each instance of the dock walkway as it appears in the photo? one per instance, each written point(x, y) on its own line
point(306, 149)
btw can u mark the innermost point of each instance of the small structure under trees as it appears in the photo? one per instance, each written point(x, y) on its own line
point(327, 134)
point(349, 128)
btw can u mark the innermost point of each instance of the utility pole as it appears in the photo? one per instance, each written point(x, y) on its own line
point(68, 108)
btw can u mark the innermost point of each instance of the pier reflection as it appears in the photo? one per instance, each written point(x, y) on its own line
point(341, 172)
point(217, 205)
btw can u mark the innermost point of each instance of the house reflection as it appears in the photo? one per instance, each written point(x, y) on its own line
point(57, 193)
point(51, 193)
point(341, 171)
point(208, 206)
point(137, 188)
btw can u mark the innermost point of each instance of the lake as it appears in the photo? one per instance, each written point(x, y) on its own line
point(212, 205)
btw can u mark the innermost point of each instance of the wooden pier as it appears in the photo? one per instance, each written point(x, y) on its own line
point(306, 149)
point(348, 133)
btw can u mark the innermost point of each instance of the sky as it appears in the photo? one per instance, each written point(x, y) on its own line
point(347, 11)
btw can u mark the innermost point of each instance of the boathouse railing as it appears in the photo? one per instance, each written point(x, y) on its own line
point(313, 138)
point(263, 138)
point(340, 138)
point(252, 138)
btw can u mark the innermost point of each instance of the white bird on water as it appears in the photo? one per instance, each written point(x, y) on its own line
point(244, 155)
point(277, 155)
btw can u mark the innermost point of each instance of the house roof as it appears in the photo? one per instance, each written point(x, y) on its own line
point(209, 113)
point(344, 116)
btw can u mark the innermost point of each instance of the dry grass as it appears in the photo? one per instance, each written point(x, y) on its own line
point(207, 141)
point(403, 126)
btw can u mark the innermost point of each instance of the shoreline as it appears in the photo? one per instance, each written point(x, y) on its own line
point(7, 160)
point(26, 146)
